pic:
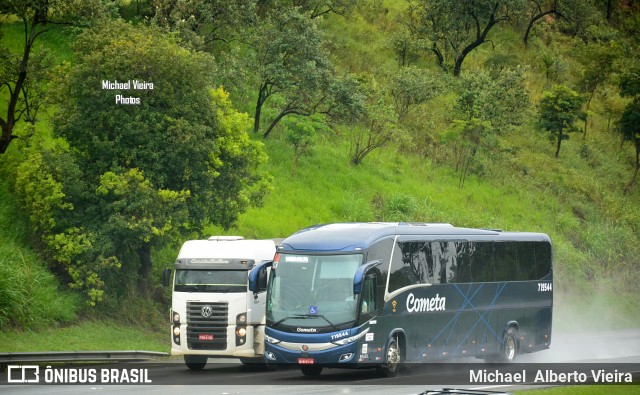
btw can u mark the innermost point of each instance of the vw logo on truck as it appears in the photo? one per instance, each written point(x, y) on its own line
point(206, 311)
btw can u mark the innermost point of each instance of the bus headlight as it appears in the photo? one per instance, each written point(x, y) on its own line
point(346, 357)
point(271, 340)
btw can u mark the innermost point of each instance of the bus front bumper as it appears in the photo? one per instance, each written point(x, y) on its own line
point(325, 354)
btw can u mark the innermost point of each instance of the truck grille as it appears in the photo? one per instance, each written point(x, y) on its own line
point(200, 327)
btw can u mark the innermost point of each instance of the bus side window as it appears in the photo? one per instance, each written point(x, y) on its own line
point(482, 262)
point(368, 304)
point(505, 261)
point(543, 259)
point(526, 261)
point(463, 251)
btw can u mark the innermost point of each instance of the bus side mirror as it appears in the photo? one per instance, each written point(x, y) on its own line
point(166, 277)
point(255, 273)
point(358, 278)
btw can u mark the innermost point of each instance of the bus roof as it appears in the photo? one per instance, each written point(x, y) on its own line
point(360, 235)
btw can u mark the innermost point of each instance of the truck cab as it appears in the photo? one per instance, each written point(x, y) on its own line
point(213, 313)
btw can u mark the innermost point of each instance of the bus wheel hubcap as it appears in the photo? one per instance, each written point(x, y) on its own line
point(510, 348)
point(393, 356)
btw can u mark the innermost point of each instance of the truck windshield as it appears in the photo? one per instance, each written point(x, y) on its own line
point(313, 291)
point(211, 281)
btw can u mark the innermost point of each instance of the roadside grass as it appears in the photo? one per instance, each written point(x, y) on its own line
point(87, 335)
point(29, 292)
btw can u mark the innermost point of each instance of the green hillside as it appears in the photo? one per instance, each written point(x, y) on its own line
point(429, 171)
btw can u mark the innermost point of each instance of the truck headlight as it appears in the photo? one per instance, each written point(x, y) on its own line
point(241, 331)
point(176, 317)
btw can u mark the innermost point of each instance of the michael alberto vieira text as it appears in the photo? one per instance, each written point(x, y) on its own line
point(548, 376)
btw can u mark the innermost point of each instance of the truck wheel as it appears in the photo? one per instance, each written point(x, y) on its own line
point(311, 370)
point(195, 362)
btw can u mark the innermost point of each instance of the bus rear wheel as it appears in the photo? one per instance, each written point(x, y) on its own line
point(510, 347)
point(311, 370)
point(394, 360)
point(195, 362)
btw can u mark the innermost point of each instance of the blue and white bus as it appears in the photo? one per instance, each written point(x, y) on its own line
point(352, 295)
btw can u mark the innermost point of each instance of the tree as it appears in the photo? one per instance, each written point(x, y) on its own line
point(629, 122)
point(149, 172)
point(376, 126)
point(559, 109)
point(21, 74)
point(500, 98)
point(538, 9)
point(290, 62)
point(204, 23)
point(318, 8)
point(412, 87)
point(467, 137)
point(598, 60)
point(456, 28)
point(629, 127)
point(301, 134)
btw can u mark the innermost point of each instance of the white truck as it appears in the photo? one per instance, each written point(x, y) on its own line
point(213, 313)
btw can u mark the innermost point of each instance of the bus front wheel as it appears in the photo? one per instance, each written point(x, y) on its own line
point(394, 360)
point(311, 370)
point(195, 362)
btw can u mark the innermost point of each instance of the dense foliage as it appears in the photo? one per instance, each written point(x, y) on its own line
point(438, 111)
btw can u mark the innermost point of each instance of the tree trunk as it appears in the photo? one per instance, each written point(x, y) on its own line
point(144, 253)
point(436, 51)
point(480, 39)
point(6, 137)
point(533, 20)
point(463, 55)
point(277, 119)
point(632, 182)
point(586, 115)
point(259, 103)
point(7, 126)
point(294, 164)
point(559, 142)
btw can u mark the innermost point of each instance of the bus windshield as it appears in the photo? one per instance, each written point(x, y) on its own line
point(211, 281)
point(313, 291)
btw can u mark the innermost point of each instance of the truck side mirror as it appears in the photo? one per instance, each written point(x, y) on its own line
point(166, 277)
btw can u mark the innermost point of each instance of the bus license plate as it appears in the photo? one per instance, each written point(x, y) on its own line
point(305, 361)
point(205, 336)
